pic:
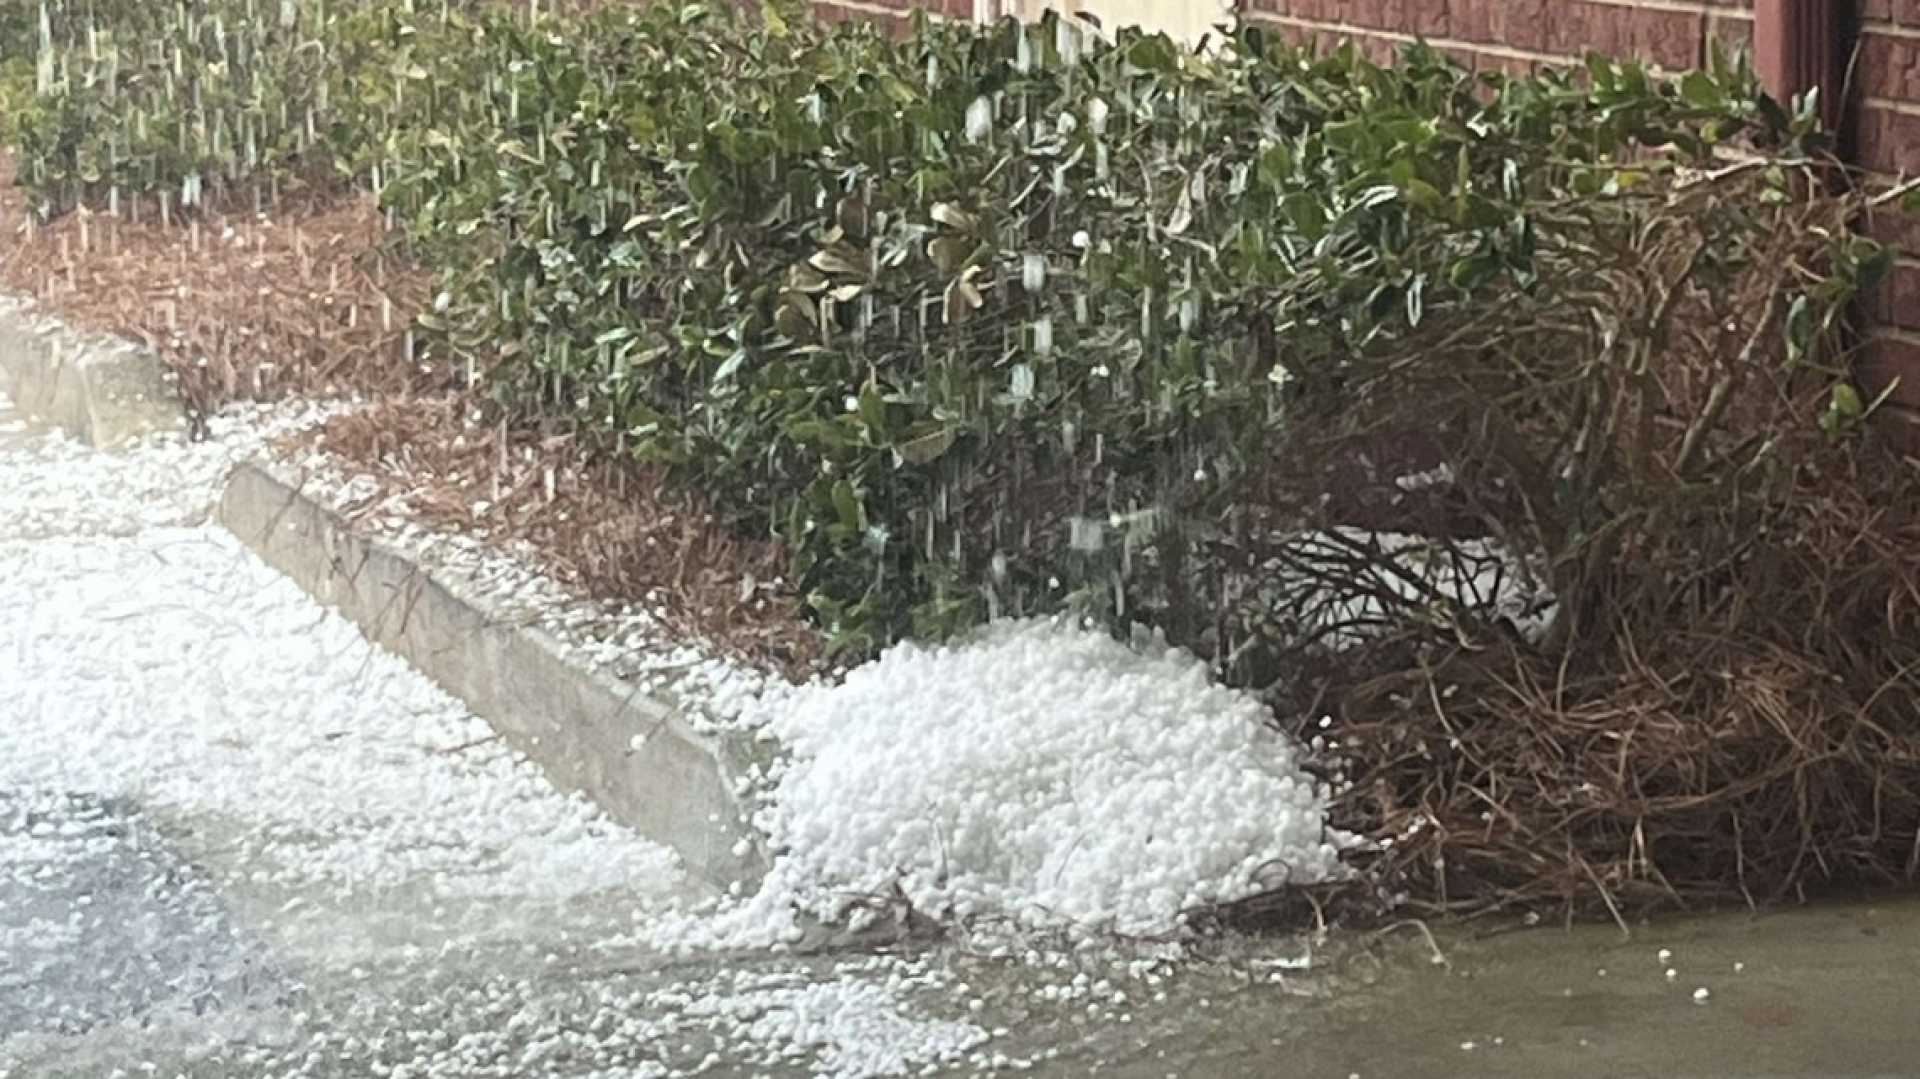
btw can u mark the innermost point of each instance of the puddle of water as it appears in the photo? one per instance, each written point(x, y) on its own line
point(1825, 991)
point(1821, 991)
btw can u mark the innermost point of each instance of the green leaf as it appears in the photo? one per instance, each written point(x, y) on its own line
point(928, 447)
point(1422, 194)
point(725, 372)
point(1844, 410)
point(771, 19)
point(1601, 71)
point(846, 503)
point(1875, 262)
point(1154, 52)
point(1462, 183)
point(1305, 213)
point(1799, 328)
point(1276, 165)
point(873, 412)
point(1699, 88)
point(1473, 271)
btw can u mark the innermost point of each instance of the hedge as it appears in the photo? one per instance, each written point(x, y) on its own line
point(978, 321)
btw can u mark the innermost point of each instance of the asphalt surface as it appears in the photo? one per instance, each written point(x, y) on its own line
point(105, 923)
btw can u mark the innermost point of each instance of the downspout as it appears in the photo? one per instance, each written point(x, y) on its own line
point(1798, 46)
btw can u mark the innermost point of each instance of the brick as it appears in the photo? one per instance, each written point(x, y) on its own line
point(1516, 66)
point(1583, 27)
point(1896, 302)
point(895, 23)
point(1300, 9)
point(1524, 24)
point(1380, 50)
point(1577, 28)
point(1898, 12)
point(1465, 57)
point(1427, 18)
point(1900, 427)
point(1472, 20)
point(1304, 37)
point(1897, 230)
point(1333, 11)
point(1415, 17)
point(1733, 33)
point(1671, 39)
point(1888, 356)
point(1889, 140)
point(1299, 36)
point(1369, 14)
point(1890, 67)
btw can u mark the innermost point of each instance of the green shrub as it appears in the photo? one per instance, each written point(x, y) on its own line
point(187, 100)
point(19, 30)
point(1005, 319)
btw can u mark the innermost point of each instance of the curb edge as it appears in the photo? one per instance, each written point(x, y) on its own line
point(629, 752)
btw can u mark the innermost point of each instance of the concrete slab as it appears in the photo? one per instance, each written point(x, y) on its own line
point(101, 390)
point(630, 751)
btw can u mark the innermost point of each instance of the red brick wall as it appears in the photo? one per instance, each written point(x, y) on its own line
point(1518, 34)
point(1887, 119)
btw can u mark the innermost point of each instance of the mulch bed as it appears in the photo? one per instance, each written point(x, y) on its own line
point(607, 527)
point(306, 298)
point(314, 299)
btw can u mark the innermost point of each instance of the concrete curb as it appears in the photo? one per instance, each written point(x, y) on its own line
point(628, 751)
point(101, 390)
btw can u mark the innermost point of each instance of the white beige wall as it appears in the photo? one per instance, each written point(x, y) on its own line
point(1184, 20)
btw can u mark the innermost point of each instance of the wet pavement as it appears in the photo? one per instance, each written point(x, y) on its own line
point(151, 988)
point(186, 890)
point(1829, 990)
point(103, 923)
